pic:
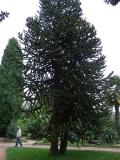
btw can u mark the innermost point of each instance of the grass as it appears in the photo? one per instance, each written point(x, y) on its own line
point(42, 154)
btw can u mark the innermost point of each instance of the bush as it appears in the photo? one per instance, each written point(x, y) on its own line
point(33, 128)
point(110, 135)
point(11, 130)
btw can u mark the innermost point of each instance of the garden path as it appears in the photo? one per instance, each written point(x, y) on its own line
point(2, 153)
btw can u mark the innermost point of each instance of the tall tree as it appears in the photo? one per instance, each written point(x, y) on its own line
point(114, 99)
point(64, 69)
point(11, 82)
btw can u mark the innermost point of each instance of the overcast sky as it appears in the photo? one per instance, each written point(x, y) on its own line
point(104, 17)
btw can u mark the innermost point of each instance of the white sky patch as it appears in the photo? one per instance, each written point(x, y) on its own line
point(104, 17)
point(19, 10)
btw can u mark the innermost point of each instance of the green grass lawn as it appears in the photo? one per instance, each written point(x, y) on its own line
point(42, 154)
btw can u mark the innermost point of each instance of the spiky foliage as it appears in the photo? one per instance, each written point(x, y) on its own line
point(64, 69)
point(3, 15)
point(112, 2)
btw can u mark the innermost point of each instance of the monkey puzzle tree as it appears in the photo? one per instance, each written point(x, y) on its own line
point(63, 69)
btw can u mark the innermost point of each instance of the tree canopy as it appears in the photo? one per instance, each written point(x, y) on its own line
point(11, 82)
point(64, 70)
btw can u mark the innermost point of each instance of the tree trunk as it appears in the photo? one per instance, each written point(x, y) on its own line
point(63, 144)
point(116, 114)
point(54, 128)
point(54, 140)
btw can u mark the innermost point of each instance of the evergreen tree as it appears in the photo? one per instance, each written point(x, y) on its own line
point(11, 83)
point(112, 2)
point(114, 99)
point(64, 69)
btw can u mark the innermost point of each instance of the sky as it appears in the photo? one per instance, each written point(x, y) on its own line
point(104, 17)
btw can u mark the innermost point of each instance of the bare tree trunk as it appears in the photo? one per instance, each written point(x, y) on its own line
point(116, 114)
point(54, 128)
point(54, 140)
point(63, 144)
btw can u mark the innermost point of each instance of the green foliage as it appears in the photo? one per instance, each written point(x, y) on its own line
point(36, 127)
point(33, 127)
point(110, 135)
point(42, 154)
point(12, 74)
point(11, 130)
point(109, 132)
point(64, 69)
point(114, 91)
point(11, 84)
point(113, 98)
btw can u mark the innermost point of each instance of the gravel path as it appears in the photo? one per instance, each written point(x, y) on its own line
point(2, 153)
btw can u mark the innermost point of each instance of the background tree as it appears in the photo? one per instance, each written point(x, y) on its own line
point(3, 15)
point(11, 83)
point(63, 69)
point(114, 99)
point(112, 2)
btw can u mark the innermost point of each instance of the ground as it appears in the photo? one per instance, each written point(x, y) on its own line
point(2, 153)
point(3, 147)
